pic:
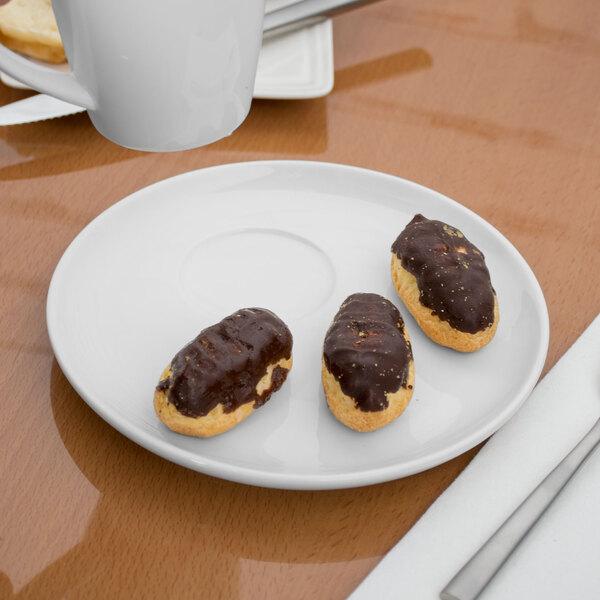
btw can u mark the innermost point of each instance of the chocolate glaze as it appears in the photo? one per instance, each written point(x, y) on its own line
point(224, 363)
point(451, 274)
point(365, 349)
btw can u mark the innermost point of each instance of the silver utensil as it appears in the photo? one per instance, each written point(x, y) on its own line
point(307, 12)
point(470, 581)
point(36, 108)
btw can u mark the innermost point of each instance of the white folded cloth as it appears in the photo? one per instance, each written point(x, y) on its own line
point(559, 557)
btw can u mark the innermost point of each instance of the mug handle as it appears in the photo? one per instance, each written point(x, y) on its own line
point(63, 86)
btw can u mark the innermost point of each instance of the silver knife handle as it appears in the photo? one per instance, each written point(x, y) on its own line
point(469, 582)
point(307, 12)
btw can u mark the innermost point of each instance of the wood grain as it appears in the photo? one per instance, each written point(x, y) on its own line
point(496, 105)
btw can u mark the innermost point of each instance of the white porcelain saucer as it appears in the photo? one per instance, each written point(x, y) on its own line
point(148, 274)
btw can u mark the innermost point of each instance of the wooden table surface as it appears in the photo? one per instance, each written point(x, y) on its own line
point(495, 104)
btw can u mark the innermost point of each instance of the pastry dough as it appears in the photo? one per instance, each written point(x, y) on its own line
point(29, 27)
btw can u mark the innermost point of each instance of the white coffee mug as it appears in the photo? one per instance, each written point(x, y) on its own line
point(157, 75)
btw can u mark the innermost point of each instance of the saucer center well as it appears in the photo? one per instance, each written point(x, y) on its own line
point(268, 268)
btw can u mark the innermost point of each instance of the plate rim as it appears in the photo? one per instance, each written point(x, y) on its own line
point(296, 481)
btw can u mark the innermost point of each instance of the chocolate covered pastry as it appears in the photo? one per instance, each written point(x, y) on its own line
point(367, 366)
point(228, 371)
point(444, 282)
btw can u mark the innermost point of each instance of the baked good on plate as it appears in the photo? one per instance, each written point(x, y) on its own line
point(227, 372)
point(444, 282)
point(29, 27)
point(367, 364)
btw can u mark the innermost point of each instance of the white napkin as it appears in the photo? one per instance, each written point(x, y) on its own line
point(560, 556)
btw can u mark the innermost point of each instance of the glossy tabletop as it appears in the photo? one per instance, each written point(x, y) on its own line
point(496, 105)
